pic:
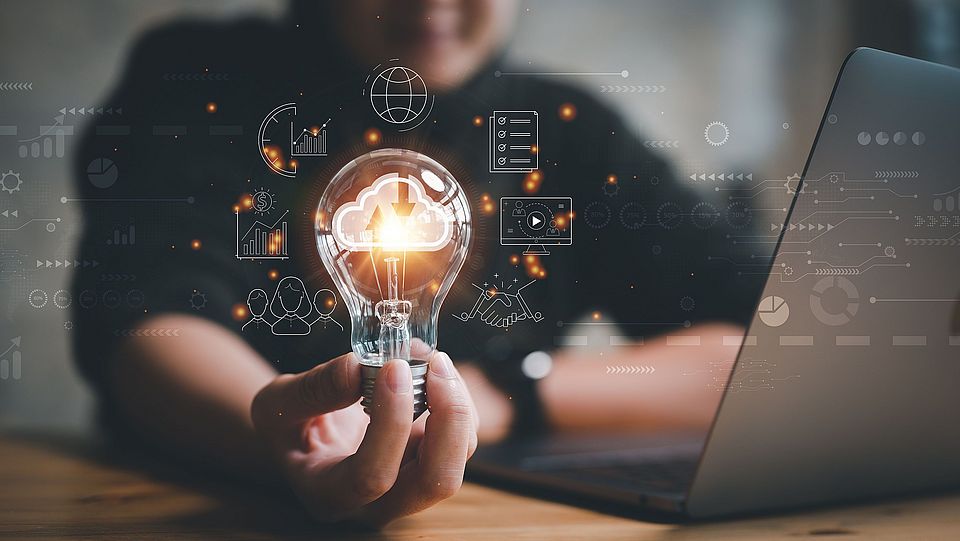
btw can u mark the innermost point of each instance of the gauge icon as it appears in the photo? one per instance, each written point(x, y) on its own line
point(272, 140)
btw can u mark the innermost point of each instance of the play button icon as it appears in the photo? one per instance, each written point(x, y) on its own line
point(535, 220)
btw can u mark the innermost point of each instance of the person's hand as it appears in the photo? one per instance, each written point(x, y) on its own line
point(340, 466)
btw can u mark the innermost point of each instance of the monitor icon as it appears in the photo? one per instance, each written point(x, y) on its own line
point(536, 222)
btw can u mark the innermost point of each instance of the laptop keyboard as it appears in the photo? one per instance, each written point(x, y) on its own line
point(670, 477)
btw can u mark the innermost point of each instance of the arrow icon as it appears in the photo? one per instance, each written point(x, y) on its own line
point(374, 224)
point(403, 207)
point(16, 344)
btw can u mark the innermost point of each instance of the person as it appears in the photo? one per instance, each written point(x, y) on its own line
point(257, 302)
point(284, 409)
point(291, 305)
point(325, 302)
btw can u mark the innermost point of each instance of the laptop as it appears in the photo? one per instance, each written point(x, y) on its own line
point(855, 340)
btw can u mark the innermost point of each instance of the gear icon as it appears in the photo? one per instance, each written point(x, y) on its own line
point(597, 214)
point(8, 185)
point(611, 188)
point(793, 181)
point(198, 300)
point(669, 215)
point(716, 133)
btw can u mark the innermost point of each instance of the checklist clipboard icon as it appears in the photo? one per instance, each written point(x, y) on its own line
point(514, 141)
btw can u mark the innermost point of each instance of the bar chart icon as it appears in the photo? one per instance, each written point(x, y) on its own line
point(947, 201)
point(11, 361)
point(309, 142)
point(123, 236)
point(50, 144)
point(262, 240)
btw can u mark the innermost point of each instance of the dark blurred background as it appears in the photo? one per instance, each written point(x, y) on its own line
point(763, 67)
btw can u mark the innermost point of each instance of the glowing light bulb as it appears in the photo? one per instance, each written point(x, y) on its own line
point(393, 229)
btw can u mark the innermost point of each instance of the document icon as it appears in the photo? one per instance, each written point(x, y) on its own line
point(514, 142)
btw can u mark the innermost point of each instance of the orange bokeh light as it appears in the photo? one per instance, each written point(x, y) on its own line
point(531, 183)
point(478, 121)
point(372, 136)
point(567, 112)
point(212, 107)
point(196, 244)
point(239, 312)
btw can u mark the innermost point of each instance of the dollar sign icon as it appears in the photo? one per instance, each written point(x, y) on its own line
point(262, 202)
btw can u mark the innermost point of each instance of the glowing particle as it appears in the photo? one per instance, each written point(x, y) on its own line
point(567, 112)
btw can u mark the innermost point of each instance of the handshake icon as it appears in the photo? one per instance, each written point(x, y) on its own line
point(501, 307)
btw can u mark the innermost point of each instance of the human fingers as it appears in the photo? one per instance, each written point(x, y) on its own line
point(370, 472)
point(294, 398)
point(449, 439)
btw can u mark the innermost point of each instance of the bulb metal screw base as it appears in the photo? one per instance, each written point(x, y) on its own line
point(418, 368)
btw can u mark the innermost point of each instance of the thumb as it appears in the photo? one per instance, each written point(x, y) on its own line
point(295, 398)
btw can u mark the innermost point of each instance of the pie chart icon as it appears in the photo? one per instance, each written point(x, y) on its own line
point(102, 173)
point(773, 311)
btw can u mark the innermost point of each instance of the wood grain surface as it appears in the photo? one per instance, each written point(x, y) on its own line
point(60, 487)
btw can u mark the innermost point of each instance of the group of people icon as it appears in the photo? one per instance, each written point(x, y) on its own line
point(290, 312)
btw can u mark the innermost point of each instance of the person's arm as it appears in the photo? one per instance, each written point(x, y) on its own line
point(579, 394)
point(207, 396)
point(191, 394)
point(681, 393)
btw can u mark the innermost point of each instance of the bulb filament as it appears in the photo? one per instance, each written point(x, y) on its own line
point(394, 314)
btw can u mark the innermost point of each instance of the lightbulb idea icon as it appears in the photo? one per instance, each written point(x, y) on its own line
point(393, 228)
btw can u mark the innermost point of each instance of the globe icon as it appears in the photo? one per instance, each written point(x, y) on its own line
point(398, 95)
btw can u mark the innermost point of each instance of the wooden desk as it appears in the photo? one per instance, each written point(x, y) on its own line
point(62, 488)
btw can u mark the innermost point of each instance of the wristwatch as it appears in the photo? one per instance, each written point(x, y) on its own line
point(518, 377)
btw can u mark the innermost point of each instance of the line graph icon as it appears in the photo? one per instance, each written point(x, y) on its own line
point(273, 136)
point(11, 361)
point(262, 240)
point(50, 143)
point(309, 142)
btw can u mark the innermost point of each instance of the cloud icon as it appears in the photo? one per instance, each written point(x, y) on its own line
point(393, 213)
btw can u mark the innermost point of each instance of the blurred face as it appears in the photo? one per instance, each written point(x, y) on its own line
point(445, 41)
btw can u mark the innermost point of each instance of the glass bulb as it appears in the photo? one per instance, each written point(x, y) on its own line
point(393, 229)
